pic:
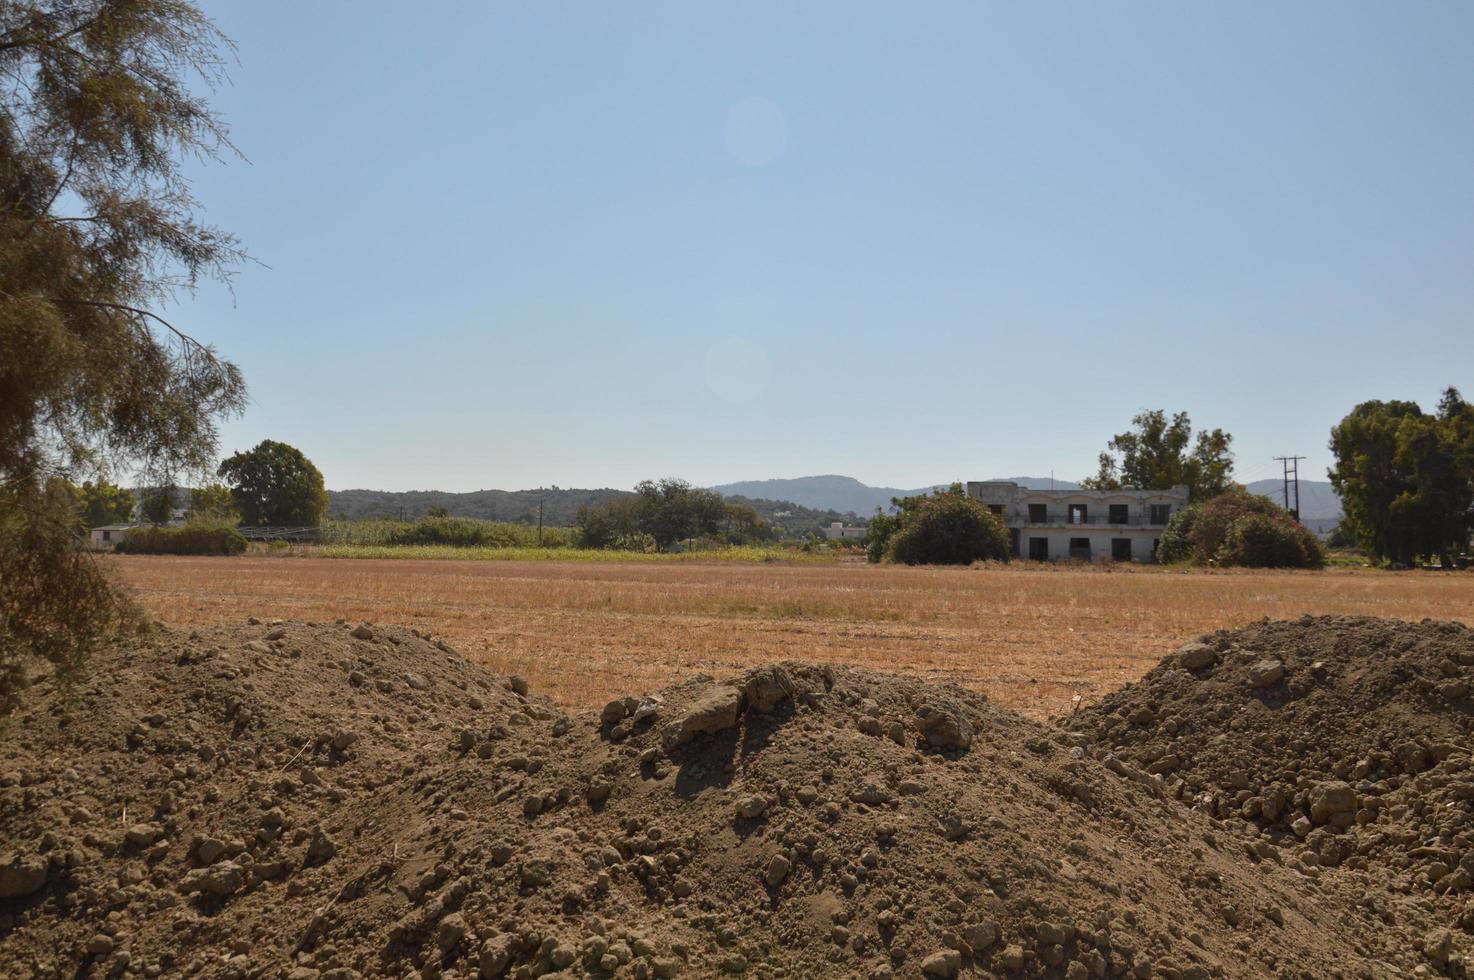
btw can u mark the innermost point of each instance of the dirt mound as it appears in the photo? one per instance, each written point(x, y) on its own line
point(288, 799)
point(1347, 739)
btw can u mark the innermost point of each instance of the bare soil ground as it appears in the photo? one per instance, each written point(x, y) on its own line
point(1029, 638)
point(329, 801)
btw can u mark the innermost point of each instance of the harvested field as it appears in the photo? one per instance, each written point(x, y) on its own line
point(1031, 638)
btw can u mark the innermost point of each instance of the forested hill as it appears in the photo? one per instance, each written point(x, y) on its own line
point(517, 506)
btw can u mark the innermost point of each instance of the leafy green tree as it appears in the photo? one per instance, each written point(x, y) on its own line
point(101, 102)
point(672, 510)
point(946, 527)
point(157, 505)
point(1159, 454)
point(1406, 478)
point(104, 503)
point(611, 524)
point(437, 511)
point(274, 484)
point(212, 504)
point(742, 525)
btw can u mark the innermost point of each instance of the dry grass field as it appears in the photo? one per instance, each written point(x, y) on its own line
point(1029, 637)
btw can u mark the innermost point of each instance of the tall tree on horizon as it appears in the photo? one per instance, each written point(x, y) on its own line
point(1159, 454)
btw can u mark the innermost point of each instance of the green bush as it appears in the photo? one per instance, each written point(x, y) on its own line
point(1239, 528)
point(1175, 545)
point(192, 539)
point(948, 529)
point(459, 532)
point(1210, 529)
point(1267, 541)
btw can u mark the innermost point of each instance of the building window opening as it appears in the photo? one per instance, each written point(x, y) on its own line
point(1160, 513)
point(1080, 548)
point(1120, 549)
point(1078, 514)
point(1120, 514)
point(996, 508)
point(1038, 549)
point(1038, 513)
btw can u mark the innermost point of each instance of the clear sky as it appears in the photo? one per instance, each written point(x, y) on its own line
point(506, 245)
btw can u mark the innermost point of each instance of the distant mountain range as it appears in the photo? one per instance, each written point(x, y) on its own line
point(1318, 502)
point(848, 495)
point(819, 498)
point(516, 506)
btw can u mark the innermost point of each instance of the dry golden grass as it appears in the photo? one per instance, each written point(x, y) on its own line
point(1029, 637)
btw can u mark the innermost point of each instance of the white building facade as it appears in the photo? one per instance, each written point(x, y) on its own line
point(839, 532)
point(1081, 525)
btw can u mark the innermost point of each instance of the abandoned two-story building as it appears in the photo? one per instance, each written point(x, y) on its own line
point(1086, 525)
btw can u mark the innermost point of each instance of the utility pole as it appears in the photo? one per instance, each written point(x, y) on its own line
point(540, 500)
point(1292, 472)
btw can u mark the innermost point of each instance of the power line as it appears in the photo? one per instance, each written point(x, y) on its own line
point(1291, 466)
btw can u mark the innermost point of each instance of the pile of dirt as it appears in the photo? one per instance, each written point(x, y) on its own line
point(332, 801)
point(1346, 740)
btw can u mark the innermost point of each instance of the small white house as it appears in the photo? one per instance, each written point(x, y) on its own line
point(839, 532)
point(105, 538)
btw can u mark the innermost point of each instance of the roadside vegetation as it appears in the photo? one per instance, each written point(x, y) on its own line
point(189, 539)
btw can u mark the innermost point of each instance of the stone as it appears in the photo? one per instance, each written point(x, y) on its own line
point(1012, 958)
point(343, 741)
point(768, 687)
point(1196, 656)
point(276, 634)
point(321, 849)
point(942, 725)
point(614, 712)
point(143, 834)
point(451, 931)
point(225, 878)
point(363, 631)
point(22, 875)
point(752, 807)
point(710, 713)
point(209, 850)
point(1265, 672)
point(1328, 800)
point(981, 935)
point(777, 871)
point(944, 963)
point(495, 956)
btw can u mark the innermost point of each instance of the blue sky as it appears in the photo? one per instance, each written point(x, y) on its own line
point(506, 245)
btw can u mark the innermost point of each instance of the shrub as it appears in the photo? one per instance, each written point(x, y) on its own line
point(1175, 544)
point(1268, 541)
point(1239, 528)
point(192, 539)
point(1210, 528)
point(948, 529)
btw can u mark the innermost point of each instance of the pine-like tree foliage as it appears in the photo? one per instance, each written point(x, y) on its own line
point(99, 104)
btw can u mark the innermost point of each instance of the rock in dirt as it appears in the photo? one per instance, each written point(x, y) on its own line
point(944, 963)
point(1265, 672)
point(1196, 655)
point(22, 875)
point(225, 878)
point(712, 712)
point(942, 725)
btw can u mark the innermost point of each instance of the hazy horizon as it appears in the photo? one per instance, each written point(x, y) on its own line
point(579, 245)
